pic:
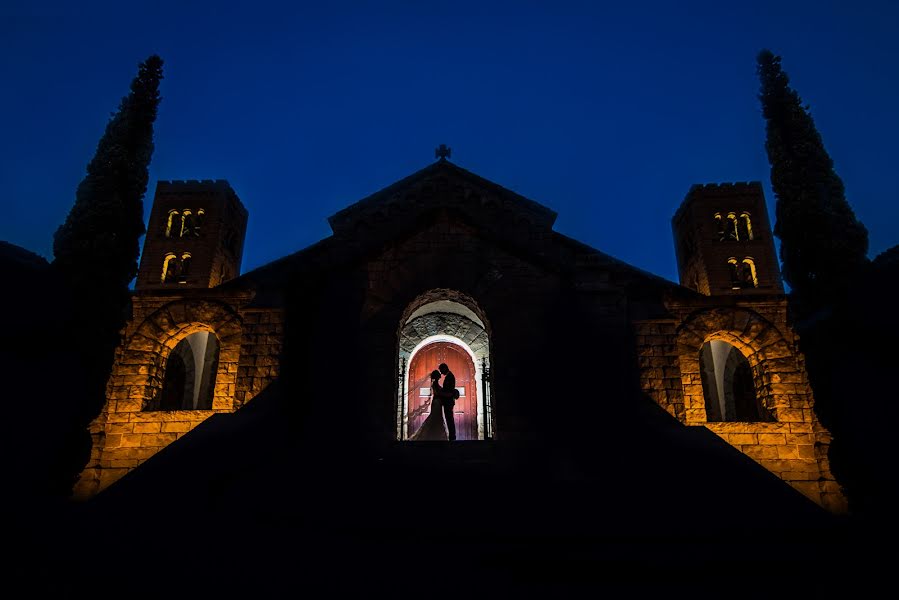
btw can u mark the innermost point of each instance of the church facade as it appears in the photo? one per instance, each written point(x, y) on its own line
point(549, 339)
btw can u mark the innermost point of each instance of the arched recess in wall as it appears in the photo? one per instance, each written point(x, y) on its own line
point(448, 324)
point(141, 367)
point(190, 372)
point(728, 385)
point(769, 359)
point(172, 223)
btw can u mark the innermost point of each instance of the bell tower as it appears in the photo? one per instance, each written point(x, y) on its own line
point(723, 241)
point(195, 236)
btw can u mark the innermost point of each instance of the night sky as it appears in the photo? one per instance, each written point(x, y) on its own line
point(605, 114)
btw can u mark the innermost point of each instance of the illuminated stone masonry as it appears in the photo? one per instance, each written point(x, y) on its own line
point(448, 256)
point(130, 429)
point(787, 440)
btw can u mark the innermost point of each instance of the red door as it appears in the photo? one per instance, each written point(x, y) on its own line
point(459, 362)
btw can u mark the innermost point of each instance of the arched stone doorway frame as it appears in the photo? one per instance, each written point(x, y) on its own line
point(426, 320)
point(772, 360)
point(478, 376)
point(140, 371)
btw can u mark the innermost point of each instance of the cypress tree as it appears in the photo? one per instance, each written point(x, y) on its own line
point(837, 299)
point(823, 246)
point(96, 252)
point(97, 246)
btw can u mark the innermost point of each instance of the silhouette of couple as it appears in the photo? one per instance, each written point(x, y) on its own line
point(442, 397)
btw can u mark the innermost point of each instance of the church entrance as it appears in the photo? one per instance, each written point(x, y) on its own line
point(427, 359)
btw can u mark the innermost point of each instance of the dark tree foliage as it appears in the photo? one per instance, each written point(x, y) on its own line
point(842, 303)
point(823, 245)
point(97, 248)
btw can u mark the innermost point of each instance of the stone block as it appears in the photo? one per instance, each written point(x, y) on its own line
point(147, 427)
point(112, 440)
point(140, 343)
point(694, 415)
point(222, 403)
point(787, 451)
point(157, 439)
point(171, 415)
point(787, 465)
point(790, 415)
point(807, 451)
point(137, 392)
point(772, 438)
point(131, 440)
point(757, 452)
point(178, 426)
point(119, 428)
point(800, 475)
point(740, 439)
point(139, 454)
point(135, 379)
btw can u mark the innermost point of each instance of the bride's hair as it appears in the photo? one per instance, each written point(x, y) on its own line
point(435, 374)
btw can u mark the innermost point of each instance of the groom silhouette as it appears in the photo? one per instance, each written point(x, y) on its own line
point(448, 396)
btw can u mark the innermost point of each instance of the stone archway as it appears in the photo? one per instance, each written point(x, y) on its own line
point(468, 411)
point(131, 428)
point(146, 352)
point(447, 317)
point(771, 360)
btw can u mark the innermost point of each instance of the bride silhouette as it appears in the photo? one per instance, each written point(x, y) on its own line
point(433, 429)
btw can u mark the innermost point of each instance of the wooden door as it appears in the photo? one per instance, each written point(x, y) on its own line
point(459, 362)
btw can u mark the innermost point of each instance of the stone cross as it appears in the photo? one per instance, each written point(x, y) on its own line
point(443, 152)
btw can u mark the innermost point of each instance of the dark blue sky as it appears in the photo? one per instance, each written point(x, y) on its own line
point(605, 114)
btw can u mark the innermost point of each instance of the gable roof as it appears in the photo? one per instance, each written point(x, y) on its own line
point(520, 224)
point(423, 189)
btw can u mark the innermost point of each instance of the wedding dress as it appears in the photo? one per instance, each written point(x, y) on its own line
point(433, 428)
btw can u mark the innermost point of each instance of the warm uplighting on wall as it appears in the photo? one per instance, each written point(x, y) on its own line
point(168, 267)
point(746, 224)
point(749, 274)
point(173, 217)
point(185, 222)
point(733, 227)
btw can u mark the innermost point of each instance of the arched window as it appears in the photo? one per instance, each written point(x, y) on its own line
point(169, 268)
point(731, 227)
point(727, 384)
point(186, 222)
point(185, 267)
point(745, 227)
point(734, 270)
point(198, 221)
point(189, 377)
point(719, 227)
point(747, 273)
point(172, 221)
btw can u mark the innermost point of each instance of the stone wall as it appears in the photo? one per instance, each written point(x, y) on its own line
point(794, 446)
point(127, 433)
point(260, 352)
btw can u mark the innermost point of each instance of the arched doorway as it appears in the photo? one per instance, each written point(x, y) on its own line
point(727, 384)
point(425, 360)
point(189, 376)
point(448, 317)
